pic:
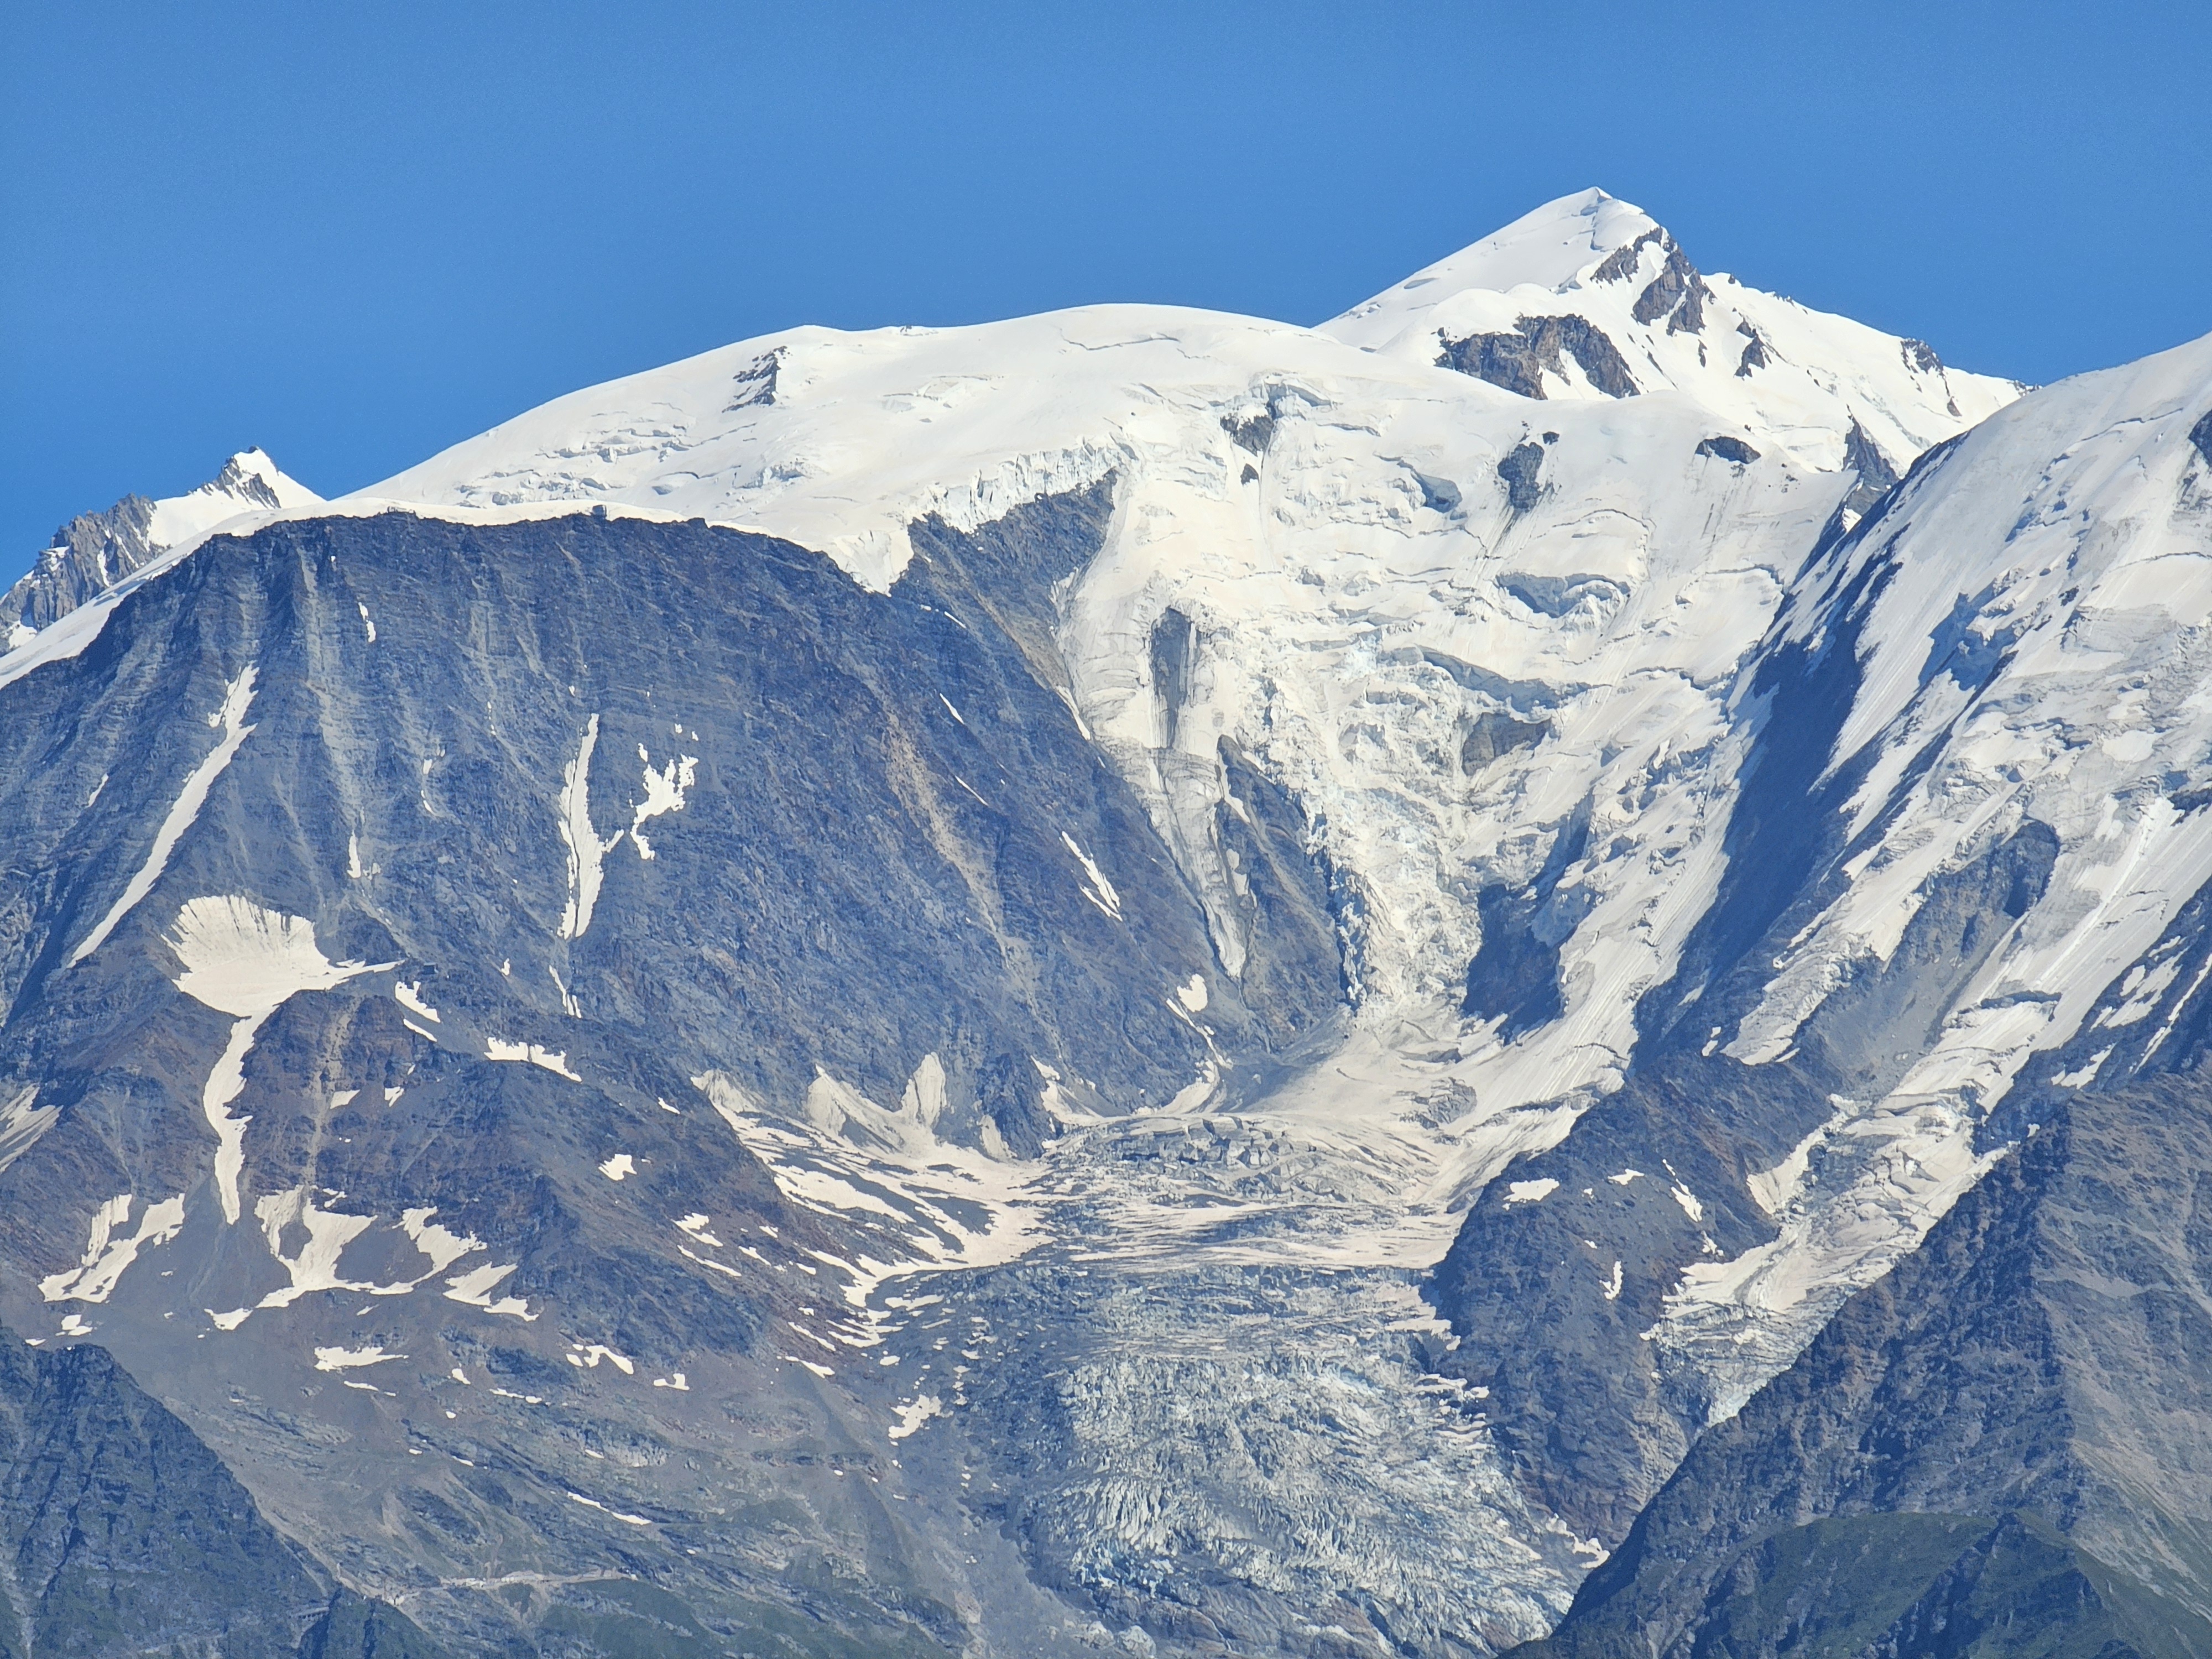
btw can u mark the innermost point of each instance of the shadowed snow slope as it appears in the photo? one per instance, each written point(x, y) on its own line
point(866, 993)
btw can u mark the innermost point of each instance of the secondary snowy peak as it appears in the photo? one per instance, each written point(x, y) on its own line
point(94, 551)
point(1591, 297)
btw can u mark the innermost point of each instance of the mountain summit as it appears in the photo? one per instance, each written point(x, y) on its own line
point(1590, 297)
point(1146, 981)
point(841, 440)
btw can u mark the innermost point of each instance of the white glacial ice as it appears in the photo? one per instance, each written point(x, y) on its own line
point(1361, 587)
point(587, 852)
point(341, 1359)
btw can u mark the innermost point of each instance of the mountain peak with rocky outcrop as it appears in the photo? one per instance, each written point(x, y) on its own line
point(1588, 296)
point(95, 550)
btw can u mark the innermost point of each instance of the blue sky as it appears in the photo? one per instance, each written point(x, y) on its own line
point(356, 234)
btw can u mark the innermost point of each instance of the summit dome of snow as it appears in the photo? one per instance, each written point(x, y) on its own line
point(837, 441)
point(1547, 246)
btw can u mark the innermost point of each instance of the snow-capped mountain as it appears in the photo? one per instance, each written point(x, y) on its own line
point(1132, 977)
point(93, 551)
point(1591, 297)
point(2028, 613)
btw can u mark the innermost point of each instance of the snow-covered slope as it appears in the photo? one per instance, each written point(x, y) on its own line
point(2030, 613)
point(95, 550)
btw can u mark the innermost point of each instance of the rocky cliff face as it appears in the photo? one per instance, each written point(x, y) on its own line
point(2044, 1351)
point(1142, 979)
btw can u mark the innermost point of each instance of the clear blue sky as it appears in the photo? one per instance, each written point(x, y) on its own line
point(356, 233)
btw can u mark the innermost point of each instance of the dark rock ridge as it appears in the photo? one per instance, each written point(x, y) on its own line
point(1173, 648)
point(1519, 361)
point(2047, 1351)
point(1905, 1586)
point(94, 551)
point(753, 385)
point(1864, 456)
point(1727, 449)
point(1678, 293)
point(1921, 357)
point(1522, 473)
point(1754, 352)
point(123, 1533)
point(91, 551)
